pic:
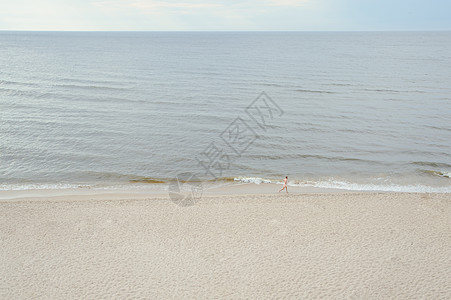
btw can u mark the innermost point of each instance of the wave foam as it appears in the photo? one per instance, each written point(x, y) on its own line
point(334, 184)
point(24, 187)
point(350, 186)
point(256, 180)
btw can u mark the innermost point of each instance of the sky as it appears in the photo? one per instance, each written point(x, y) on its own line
point(225, 15)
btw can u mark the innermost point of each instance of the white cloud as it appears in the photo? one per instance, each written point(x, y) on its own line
point(287, 2)
point(43, 15)
point(152, 6)
point(157, 14)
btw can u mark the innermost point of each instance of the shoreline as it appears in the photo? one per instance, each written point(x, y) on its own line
point(161, 190)
point(237, 189)
point(249, 185)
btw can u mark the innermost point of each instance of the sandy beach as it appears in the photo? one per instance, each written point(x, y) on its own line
point(301, 245)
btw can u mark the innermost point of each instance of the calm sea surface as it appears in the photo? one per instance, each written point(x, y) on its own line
point(365, 111)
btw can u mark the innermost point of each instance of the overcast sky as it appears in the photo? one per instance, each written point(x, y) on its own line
point(309, 15)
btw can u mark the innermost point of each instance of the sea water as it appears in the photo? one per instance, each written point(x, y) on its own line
point(351, 110)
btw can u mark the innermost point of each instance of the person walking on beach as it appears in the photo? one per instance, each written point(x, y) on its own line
point(285, 181)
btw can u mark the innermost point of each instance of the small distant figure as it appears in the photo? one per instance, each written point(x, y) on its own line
point(285, 187)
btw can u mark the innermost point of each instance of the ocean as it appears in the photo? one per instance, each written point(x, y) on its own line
point(348, 110)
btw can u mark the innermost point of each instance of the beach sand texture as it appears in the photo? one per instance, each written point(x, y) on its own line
point(336, 245)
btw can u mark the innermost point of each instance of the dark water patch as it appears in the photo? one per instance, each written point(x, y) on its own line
point(90, 87)
point(314, 91)
point(431, 164)
point(437, 173)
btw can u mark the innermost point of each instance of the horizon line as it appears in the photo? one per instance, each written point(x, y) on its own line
point(382, 30)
